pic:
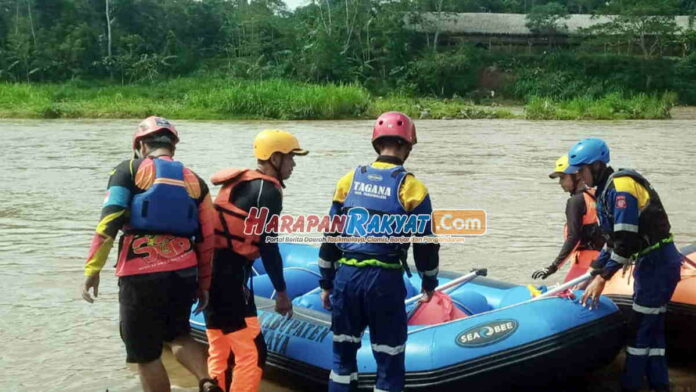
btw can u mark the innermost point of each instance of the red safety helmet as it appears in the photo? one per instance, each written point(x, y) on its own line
point(394, 124)
point(152, 125)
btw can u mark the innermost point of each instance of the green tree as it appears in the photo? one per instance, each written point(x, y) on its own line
point(647, 25)
point(548, 20)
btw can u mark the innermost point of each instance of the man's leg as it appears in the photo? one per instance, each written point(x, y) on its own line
point(668, 273)
point(387, 321)
point(249, 356)
point(658, 373)
point(637, 351)
point(142, 328)
point(191, 355)
point(656, 277)
point(182, 290)
point(153, 376)
point(220, 358)
point(347, 325)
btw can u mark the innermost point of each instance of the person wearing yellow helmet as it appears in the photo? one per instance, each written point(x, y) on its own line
point(582, 237)
point(232, 326)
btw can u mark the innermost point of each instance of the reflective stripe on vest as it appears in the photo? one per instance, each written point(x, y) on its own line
point(654, 227)
point(229, 227)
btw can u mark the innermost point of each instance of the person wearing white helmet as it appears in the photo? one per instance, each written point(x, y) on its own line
point(166, 215)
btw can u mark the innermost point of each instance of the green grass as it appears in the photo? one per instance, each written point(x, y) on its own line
point(436, 108)
point(190, 98)
point(199, 98)
point(614, 106)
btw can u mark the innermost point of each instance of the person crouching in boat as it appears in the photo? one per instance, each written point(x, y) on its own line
point(638, 229)
point(165, 251)
point(233, 328)
point(583, 239)
point(363, 282)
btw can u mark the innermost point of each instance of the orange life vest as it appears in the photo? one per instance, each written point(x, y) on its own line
point(590, 218)
point(229, 227)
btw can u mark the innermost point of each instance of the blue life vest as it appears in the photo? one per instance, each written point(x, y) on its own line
point(653, 222)
point(166, 206)
point(376, 192)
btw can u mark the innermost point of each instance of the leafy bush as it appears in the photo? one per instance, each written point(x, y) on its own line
point(614, 106)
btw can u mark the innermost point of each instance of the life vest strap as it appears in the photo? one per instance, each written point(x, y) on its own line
point(369, 263)
point(230, 236)
point(659, 244)
point(224, 210)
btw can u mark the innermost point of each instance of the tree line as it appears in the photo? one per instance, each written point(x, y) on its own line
point(361, 41)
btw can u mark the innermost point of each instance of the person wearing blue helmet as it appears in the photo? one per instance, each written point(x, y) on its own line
point(637, 229)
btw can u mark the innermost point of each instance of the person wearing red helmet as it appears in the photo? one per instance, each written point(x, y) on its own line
point(362, 282)
point(166, 216)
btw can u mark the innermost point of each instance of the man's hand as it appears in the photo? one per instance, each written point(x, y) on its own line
point(203, 298)
point(545, 272)
point(427, 296)
point(91, 282)
point(326, 299)
point(283, 304)
point(593, 291)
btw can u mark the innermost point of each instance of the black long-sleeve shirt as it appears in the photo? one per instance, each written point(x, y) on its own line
point(262, 193)
point(575, 210)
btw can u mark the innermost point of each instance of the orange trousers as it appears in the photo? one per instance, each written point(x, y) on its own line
point(580, 263)
point(236, 359)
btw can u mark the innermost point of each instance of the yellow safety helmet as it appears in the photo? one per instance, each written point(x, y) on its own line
point(275, 140)
point(562, 167)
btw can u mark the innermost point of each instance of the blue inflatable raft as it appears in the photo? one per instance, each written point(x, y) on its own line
point(507, 342)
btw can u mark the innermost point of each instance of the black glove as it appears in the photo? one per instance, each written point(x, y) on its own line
point(545, 273)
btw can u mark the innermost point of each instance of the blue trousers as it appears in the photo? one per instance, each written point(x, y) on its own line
point(656, 277)
point(368, 297)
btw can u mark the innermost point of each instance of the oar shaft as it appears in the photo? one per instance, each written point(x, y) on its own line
point(454, 282)
point(564, 286)
point(689, 261)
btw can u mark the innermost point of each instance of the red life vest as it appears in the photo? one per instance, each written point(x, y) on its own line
point(229, 227)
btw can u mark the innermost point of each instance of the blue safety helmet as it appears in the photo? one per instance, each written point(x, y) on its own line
point(585, 152)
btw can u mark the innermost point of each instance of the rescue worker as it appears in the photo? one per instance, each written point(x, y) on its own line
point(237, 351)
point(362, 283)
point(583, 239)
point(166, 215)
point(638, 231)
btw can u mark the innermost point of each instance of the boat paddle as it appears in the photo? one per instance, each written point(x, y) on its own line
point(452, 283)
point(563, 287)
point(689, 261)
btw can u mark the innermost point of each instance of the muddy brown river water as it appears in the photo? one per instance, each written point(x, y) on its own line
point(55, 173)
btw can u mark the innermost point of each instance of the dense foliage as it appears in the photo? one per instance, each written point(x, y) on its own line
point(361, 42)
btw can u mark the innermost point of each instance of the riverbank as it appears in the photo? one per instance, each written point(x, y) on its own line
point(682, 377)
point(236, 99)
